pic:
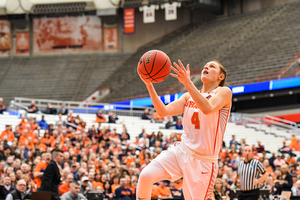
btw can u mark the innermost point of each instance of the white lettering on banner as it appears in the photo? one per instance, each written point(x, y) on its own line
point(238, 89)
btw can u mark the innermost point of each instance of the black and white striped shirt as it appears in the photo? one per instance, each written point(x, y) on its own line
point(248, 172)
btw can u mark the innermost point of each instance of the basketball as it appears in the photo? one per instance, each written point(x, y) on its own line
point(154, 65)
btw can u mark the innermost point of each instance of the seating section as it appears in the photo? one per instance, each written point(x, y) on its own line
point(134, 127)
point(56, 76)
point(253, 47)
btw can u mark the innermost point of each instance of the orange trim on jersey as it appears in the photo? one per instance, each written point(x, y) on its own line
point(212, 172)
point(217, 131)
point(226, 122)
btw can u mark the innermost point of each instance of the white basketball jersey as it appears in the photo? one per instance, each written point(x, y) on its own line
point(204, 133)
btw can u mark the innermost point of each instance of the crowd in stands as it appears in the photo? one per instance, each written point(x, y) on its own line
point(99, 158)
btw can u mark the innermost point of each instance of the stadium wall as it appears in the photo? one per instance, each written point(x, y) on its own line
point(235, 7)
point(146, 33)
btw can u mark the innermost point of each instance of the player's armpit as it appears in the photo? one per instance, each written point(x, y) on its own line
point(220, 100)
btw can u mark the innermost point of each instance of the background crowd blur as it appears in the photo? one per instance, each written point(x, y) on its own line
point(100, 159)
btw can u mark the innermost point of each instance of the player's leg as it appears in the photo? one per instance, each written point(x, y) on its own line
point(151, 174)
point(164, 166)
point(198, 179)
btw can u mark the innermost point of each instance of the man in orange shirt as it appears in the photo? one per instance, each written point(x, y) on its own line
point(66, 187)
point(40, 168)
point(8, 134)
point(162, 191)
point(100, 117)
point(23, 122)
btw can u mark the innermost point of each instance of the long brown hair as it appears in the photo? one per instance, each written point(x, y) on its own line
point(223, 71)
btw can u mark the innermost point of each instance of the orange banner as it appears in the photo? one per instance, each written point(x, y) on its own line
point(110, 38)
point(67, 34)
point(5, 37)
point(129, 21)
point(22, 43)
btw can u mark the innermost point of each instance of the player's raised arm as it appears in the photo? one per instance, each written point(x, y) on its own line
point(174, 108)
point(218, 101)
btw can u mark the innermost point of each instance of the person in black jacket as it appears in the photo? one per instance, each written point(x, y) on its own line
point(285, 180)
point(20, 192)
point(52, 175)
point(6, 188)
point(2, 107)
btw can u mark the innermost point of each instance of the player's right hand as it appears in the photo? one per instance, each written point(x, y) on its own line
point(146, 81)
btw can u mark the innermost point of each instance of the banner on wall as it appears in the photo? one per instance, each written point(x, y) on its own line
point(110, 38)
point(129, 20)
point(170, 10)
point(22, 43)
point(5, 37)
point(58, 34)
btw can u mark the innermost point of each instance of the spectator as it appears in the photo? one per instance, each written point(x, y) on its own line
point(124, 136)
point(63, 110)
point(32, 108)
point(85, 186)
point(43, 124)
point(107, 192)
point(175, 192)
point(146, 115)
point(142, 133)
point(285, 180)
point(115, 183)
point(219, 193)
point(23, 122)
point(50, 110)
point(2, 107)
point(271, 160)
point(178, 124)
point(236, 185)
point(144, 141)
point(123, 192)
point(19, 192)
point(260, 148)
point(6, 188)
point(267, 167)
point(162, 191)
point(112, 118)
point(73, 194)
point(285, 148)
point(52, 175)
point(100, 117)
point(66, 186)
point(296, 189)
point(7, 135)
point(233, 141)
point(278, 161)
point(169, 123)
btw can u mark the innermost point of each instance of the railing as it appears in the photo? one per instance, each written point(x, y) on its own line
point(76, 106)
point(290, 70)
point(270, 123)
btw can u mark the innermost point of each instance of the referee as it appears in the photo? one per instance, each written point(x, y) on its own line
point(249, 172)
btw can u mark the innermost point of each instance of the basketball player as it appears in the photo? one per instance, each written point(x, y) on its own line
point(205, 118)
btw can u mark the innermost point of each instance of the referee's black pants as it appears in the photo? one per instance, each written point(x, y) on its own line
point(249, 195)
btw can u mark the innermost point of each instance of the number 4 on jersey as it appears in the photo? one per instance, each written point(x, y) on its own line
point(195, 120)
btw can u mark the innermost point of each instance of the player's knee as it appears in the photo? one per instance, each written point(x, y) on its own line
point(146, 175)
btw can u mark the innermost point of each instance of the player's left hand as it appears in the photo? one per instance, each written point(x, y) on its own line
point(182, 74)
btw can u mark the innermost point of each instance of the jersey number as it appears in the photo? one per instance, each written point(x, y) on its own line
point(195, 120)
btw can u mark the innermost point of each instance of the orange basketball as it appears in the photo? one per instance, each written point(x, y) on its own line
point(154, 65)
